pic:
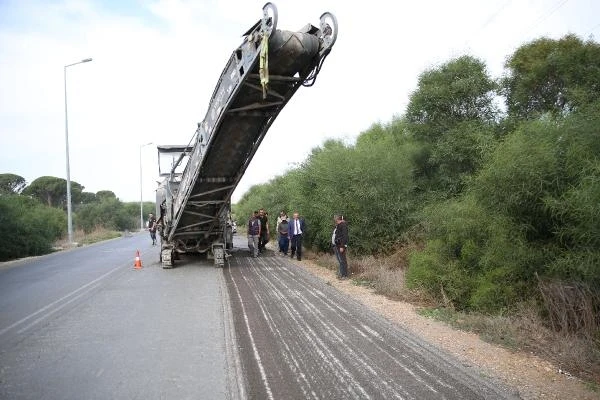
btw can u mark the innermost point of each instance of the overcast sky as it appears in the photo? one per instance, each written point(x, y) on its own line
point(156, 63)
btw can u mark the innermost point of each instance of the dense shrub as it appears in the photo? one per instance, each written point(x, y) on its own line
point(473, 258)
point(30, 228)
point(110, 213)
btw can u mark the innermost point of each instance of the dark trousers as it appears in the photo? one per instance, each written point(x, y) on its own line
point(284, 243)
point(263, 240)
point(297, 246)
point(341, 257)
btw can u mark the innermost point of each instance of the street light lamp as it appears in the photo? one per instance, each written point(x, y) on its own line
point(141, 193)
point(69, 210)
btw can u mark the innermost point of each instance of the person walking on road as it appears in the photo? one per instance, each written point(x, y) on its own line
point(264, 230)
point(152, 225)
point(253, 233)
point(297, 227)
point(339, 241)
point(283, 228)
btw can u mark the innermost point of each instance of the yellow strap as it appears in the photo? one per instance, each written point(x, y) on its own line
point(264, 64)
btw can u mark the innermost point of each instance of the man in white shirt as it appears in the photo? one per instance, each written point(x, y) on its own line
point(297, 227)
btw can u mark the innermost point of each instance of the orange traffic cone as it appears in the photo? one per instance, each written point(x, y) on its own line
point(138, 261)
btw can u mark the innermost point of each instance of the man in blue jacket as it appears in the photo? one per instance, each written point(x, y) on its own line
point(296, 229)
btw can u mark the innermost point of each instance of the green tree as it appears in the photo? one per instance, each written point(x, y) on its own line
point(552, 76)
point(31, 227)
point(452, 115)
point(53, 191)
point(88, 197)
point(457, 91)
point(11, 183)
point(110, 213)
point(132, 210)
point(105, 195)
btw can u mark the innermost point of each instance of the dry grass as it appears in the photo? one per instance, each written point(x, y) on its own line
point(526, 331)
point(384, 274)
point(572, 307)
point(81, 238)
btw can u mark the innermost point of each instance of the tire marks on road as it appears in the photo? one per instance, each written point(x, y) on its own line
point(301, 338)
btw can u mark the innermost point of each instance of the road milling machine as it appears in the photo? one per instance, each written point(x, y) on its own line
point(193, 200)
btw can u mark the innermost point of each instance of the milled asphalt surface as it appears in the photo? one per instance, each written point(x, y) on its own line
point(83, 324)
point(300, 338)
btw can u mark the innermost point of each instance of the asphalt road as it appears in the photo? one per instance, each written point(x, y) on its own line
point(83, 324)
point(300, 338)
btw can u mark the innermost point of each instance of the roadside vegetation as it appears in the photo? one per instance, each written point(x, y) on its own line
point(34, 217)
point(480, 201)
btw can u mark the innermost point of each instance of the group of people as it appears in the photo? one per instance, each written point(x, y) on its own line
point(289, 236)
point(289, 233)
point(258, 232)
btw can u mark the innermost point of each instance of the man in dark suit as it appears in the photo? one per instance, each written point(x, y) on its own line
point(264, 230)
point(296, 229)
point(339, 241)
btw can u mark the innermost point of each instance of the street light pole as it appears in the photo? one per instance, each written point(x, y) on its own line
point(69, 210)
point(141, 192)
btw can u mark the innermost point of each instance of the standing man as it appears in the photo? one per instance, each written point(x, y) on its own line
point(264, 230)
point(296, 230)
point(253, 234)
point(152, 228)
point(282, 216)
point(283, 231)
point(339, 241)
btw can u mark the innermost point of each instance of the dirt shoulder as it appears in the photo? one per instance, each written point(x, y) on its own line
point(531, 376)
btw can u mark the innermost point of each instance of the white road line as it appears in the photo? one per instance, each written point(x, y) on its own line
point(54, 310)
point(327, 326)
point(288, 355)
point(373, 332)
point(325, 353)
point(254, 349)
point(379, 347)
point(43, 309)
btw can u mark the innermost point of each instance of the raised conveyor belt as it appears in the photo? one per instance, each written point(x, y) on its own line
point(257, 82)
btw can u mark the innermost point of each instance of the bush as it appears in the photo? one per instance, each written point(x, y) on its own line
point(532, 209)
point(473, 258)
point(110, 213)
point(30, 227)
